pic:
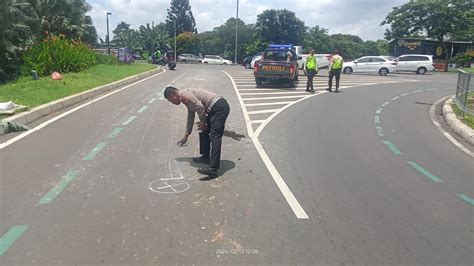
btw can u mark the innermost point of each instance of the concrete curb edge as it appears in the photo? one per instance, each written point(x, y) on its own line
point(455, 124)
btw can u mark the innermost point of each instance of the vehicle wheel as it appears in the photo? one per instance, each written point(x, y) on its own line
point(348, 70)
point(258, 81)
point(247, 66)
point(421, 71)
point(383, 72)
point(205, 62)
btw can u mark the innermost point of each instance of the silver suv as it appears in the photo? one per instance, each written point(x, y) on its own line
point(418, 63)
point(189, 58)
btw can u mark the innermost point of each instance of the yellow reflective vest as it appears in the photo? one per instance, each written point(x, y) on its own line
point(310, 62)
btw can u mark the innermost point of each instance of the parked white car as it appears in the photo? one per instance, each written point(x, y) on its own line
point(255, 59)
point(215, 60)
point(418, 63)
point(368, 64)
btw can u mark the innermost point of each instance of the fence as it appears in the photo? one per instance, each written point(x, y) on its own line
point(465, 92)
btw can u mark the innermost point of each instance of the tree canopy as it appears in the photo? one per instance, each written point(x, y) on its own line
point(180, 11)
point(280, 26)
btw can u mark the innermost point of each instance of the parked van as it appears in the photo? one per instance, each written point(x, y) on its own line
point(418, 63)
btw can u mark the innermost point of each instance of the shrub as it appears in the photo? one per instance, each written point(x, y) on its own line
point(57, 53)
point(106, 59)
point(461, 59)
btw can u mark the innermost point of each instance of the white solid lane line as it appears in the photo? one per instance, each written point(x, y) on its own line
point(280, 182)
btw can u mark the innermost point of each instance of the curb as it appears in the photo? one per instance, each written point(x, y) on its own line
point(455, 124)
point(36, 113)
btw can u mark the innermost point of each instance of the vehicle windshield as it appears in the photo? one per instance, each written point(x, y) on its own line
point(279, 55)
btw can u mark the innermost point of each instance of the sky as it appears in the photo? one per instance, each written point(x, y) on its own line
point(357, 17)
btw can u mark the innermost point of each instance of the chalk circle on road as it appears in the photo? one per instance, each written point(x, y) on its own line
point(168, 186)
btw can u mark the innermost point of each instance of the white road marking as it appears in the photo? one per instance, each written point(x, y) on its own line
point(273, 98)
point(285, 190)
point(257, 121)
point(267, 93)
point(263, 104)
point(269, 119)
point(444, 132)
point(44, 124)
point(263, 111)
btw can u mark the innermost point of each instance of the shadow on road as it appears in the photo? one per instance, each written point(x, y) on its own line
point(226, 165)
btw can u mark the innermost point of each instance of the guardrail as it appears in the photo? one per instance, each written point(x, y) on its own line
point(465, 92)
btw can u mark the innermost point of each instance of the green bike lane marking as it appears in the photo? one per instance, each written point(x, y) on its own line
point(129, 120)
point(396, 151)
point(466, 198)
point(425, 172)
point(54, 192)
point(94, 151)
point(11, 236)
point(142, 109)
point(115, 132)
point(392, 147)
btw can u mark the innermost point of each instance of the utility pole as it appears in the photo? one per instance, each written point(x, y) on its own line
point(175, 55)
point(108, 37)
point(236, 31)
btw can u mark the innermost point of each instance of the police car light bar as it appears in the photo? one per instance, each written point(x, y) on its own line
point(281, 46)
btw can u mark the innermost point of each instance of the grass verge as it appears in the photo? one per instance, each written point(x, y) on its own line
point(467, 119)
point(32, 93)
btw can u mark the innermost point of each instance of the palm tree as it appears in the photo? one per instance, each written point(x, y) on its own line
point(152, 37)
point(58, 17)
point(15, 36)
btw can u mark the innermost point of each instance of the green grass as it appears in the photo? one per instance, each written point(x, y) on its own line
point(31, 93)
point(468, 69)
point(467, 119)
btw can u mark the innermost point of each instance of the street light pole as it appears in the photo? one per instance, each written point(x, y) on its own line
point(175, 40)
point(236, 30)
point(108, 37)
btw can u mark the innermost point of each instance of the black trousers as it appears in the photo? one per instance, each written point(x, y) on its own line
point(334, 73)
point(310, 73)
point(210, 142)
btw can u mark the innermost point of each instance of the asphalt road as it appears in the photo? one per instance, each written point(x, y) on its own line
point(359, 177)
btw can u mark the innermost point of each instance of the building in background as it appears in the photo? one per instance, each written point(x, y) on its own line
point(430, 47)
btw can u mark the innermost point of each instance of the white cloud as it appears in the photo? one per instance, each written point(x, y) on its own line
point(361, 17)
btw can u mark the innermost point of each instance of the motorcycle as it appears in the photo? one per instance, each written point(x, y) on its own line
point(157, 61)
point(171, 62)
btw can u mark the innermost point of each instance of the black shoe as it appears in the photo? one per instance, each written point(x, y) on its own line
point(336, 91)
point(328, 89)
point(312, 91)
point(307, 90)
point(212, 172)
point(202, 159)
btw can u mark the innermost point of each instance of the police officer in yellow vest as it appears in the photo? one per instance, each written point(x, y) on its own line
point(311, 70)
point(335, 70)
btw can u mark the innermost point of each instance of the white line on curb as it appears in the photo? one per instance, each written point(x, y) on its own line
point(444, 132)
point(42, 125)
point(280, 182)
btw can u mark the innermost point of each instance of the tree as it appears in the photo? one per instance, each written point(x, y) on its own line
point(15, 37)
point(280, 26)
point(437, 19)
point(318, 39)
point(180, 11)
point(187, 42)
point(349, 46)
point(151, 37)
